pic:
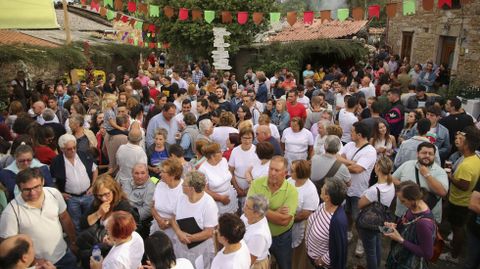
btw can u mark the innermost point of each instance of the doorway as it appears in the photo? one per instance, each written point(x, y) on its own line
point(447, 50)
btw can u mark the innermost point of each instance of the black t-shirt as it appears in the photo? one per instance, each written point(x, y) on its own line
point(455, 123)
point(474, 222)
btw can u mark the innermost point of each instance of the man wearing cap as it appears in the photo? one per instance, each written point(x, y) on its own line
point(420, 99)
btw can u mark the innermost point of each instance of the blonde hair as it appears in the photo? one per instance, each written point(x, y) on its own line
point(108, 101)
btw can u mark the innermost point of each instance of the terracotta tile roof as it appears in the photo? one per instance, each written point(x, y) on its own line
point(13, 37)
point(327, 30)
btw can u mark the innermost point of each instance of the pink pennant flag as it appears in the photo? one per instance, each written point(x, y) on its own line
point(242, 17)
point(183, 14)
point(374, 11)
point(308, 17)
point(94, 6)
point(132, 6)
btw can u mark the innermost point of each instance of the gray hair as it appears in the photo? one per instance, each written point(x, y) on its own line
point(48, 114)
point(204, 125)
point(78, 118)
point(324, 122)
point(196, 180)
point(143, 165)
point(64, 139)
point(259, 204)
point(332, 144)
point(336, 189)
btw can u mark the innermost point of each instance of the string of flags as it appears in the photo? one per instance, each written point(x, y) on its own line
point(115, 10)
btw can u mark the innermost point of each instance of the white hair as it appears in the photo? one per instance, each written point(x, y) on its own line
point(64, 139)
point(151, 83)
point(204, 125)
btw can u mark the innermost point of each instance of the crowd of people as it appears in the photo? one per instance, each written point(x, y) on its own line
point(204, 169)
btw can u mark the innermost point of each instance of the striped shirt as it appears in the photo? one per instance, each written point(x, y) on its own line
point(317, 236)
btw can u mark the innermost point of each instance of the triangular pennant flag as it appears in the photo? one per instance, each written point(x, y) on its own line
point(130, 40)
point(143, 8)
point(149, 34)
point(135, 42)
point(227, 17)
point(209, 15)
point(107, 3)
point(391, 10)
point(374, 11)
point(132, 22)
point(151, 28)
point(183, 14)
point(325, 15)
point(168, 11)
point(154, 11)
point(196, 15)
point(342, 14)
point(118, 5)
point(242, 17)
point(257, 18)
point(427, 5)
point(274, 17)
point(166, 45)
point(110, 15)
point(138, 25)
point(103, 11)
point(94, 6)
point(124, 19)
point(358, 13)
point(159, 45)
point(119, 16)
point(308, 17)
point(153, 34)
point(444, 2)
point(151, 45)
point(132, 6)
point(409, 7)
point(124, 36)
point(83, 2)
point(145, 28)
point(292, 17)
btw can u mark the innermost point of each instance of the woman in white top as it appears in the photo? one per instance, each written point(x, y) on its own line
point(242, 157)
point(371, 239)
point(297, 142)
point(265, 152)
point(382, 140)
point(235, 253)
point(127, 250)
point(166, 196)
point(308, 201)
point(219, 178)
point(224, 129)
point(257, 235)
point(319, 141)
point(160, 254)
point(194, 220)
point(264, 119)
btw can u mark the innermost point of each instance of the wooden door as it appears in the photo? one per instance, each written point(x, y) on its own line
point(447, 51)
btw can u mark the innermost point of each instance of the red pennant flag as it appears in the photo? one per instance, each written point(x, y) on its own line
point(94, 5)
point(308, 17)
point(197, 15)
point(226, 17)
point(183, 14)
point(242, 17)
point(124, 19)
point(151, 45)
point(427, 5)
point(151, 28)
point(166, 45)
point(132, 6)
point(83, 2)
point(130, 40)
point(374, 11)
point(140, 44)
point(444, 2)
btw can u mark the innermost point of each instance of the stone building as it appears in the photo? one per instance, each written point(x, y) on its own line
point(448, 36)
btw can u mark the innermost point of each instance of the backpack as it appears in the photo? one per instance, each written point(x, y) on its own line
point(373, 215)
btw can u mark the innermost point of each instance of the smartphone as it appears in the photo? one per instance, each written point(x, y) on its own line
point(385, 229)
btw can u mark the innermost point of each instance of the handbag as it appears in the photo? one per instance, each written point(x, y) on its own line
point(373, 215)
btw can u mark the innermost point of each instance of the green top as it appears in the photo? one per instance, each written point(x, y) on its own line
point(287, 195)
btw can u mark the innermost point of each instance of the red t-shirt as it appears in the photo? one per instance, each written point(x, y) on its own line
point(297, 110)
point(44, 154)
point(153, 93)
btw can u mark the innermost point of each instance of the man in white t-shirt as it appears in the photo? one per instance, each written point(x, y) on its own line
point(359, 157)
point(346, 118)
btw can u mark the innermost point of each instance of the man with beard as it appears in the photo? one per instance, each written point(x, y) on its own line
point(427, 174)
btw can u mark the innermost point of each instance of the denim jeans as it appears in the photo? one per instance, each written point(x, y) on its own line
point(68, 261)
point(473, 251)
point(351, 206)
point(372, 246)
point(77, 206)
point(282, 249)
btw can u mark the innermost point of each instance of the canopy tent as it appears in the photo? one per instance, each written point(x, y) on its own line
point(27, 14)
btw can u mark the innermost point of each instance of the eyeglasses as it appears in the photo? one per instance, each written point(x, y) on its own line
point(29, 190)
point(25, 160)
point(106, 195)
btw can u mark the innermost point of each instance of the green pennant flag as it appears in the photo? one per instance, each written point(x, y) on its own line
point(209, 15)
point(138, 25)
point(145, 44)
point(149, 34)
point(409, 7)
point(107, 3)
point(154, 11)
point(342, 14)
point(135, 42)
point(110, 14)
point(274, 17)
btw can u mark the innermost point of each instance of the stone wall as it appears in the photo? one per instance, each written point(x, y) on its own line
point(428, 27)
point(34, 72)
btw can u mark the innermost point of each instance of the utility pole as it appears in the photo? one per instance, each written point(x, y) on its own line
point(66, 23)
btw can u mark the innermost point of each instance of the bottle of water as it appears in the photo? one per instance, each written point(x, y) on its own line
point(96, 253)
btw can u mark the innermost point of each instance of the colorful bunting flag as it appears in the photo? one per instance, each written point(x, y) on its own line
point(83, 2)
point(308, 17)
point(118, 5)
point(132, 6)
point(242, 17)
point(227, 17)
point(154, 11)
point(168, 11)
point(94, 6)
point(257, 18)
point(124, 36)
point(183, 14)
point(209, 15)
point(342, 14)
point(151, 28)
point(196, 15)
point(124, 19)
point(374, 11)
point(132, 22)
point(325, 15)
point(103, 11)
point(444, 2)
point(274, 17)
point(107, 3)
point(358, 13)
point(110, 14)
point(427, 5)
point(292, 17)
point(143, 8)
point(119, 16)
point(409, 7)
point(151, 45)
point(135, 42)
point(138, 25)
point(391, 10)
